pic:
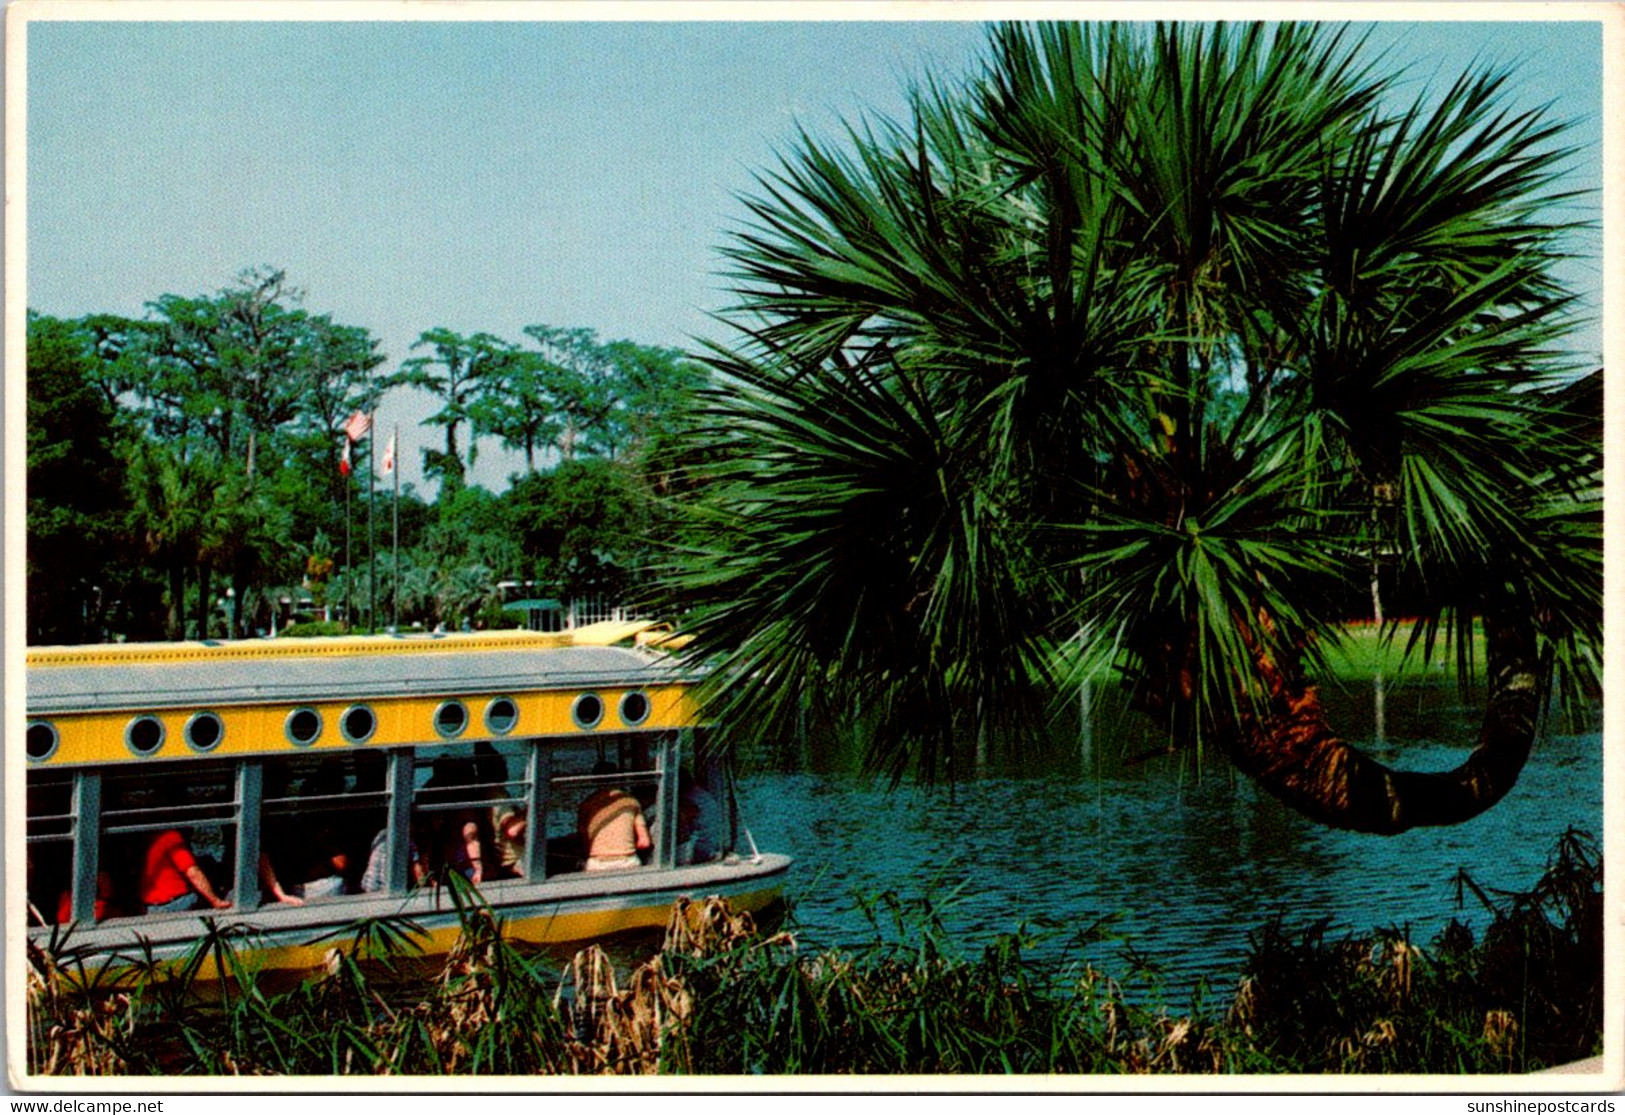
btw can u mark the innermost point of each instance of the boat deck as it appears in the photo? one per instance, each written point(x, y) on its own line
point(567, 908)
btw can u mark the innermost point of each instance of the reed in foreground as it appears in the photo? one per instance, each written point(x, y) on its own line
point(721, 997)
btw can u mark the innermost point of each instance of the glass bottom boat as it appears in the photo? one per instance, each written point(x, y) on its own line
point(297, 790)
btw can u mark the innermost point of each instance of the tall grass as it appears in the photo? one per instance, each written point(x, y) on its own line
point(721, 997)
point(1527, 995)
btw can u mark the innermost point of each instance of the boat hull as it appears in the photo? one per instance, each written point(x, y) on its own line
point(570, 910)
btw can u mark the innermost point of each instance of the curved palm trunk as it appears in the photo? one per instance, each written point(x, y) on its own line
point(1297, 757)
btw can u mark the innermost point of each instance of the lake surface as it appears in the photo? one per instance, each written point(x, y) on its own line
point(1184, 860)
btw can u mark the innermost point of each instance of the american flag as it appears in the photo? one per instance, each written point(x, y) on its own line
point(359, 423)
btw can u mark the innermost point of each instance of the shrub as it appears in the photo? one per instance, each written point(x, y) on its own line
point(314, 629)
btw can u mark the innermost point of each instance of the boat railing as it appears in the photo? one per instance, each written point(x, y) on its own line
point(621, 778)
point(158, 818)
point(292, 803)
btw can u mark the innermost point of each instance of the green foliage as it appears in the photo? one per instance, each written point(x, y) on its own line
point(221, 410)
point(721, 999)
point(196, 451)
point(582, 526)
point(238, 368)
point(76, 505)
point(575, 396)
point(1134, 349)
point(313, 629)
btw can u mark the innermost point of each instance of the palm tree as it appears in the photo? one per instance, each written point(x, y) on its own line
point(462, 591)
point(417, 591)
point(1131, 335)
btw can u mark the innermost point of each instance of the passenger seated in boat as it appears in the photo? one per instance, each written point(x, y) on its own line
point(699, 822)
point(171, 878)
point(612, 828)
point(506, 822)
point(104, 896)
point(509, 824)
point(319, 879)
point(303, 856)
point(466, 853)
point(464, 845)
point(377, 872)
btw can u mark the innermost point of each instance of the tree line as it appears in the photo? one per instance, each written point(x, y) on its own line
point(184, 479)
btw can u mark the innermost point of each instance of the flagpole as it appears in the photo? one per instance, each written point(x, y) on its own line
point(395, 575)
point(344, 597)
point(372, 537)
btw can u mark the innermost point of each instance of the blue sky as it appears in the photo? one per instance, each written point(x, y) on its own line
point(489, 176)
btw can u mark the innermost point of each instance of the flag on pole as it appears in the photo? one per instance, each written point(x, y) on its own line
point(358, 425)
point(388, 464)
point(344, 459)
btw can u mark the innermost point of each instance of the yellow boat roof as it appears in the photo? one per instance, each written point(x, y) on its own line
point(127, 675)
point(604, 634)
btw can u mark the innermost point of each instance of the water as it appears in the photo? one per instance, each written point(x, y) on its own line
point(1183, 861)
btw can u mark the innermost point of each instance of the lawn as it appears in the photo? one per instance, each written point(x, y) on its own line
point(1367, 649)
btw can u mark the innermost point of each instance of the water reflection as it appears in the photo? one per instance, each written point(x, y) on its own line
point(1187, 858)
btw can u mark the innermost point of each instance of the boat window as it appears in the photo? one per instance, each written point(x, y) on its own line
point(161, 818)
point(320, 816)
point(49, 844)
point(303, 727)
point(634, 708)
point(587, 710)
point(204, 731)
point(628, 763)
point(144, 735)
point(40, 743)
point(450, 719)
point(469, 808)
point(501, 715)
point(358, 723)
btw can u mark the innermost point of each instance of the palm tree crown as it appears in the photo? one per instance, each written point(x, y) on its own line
point(1160, 335)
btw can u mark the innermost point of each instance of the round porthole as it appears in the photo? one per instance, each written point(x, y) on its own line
point(303, 727)
point(450, 719)
point(587, 711)
point(204, 731)
point(41, 741)
point(144, 735)
point(501, 715)
point(358, 724)
point(634, 708)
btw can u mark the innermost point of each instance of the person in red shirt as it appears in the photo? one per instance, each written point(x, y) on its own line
point(171, 879)
point(104, 893)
